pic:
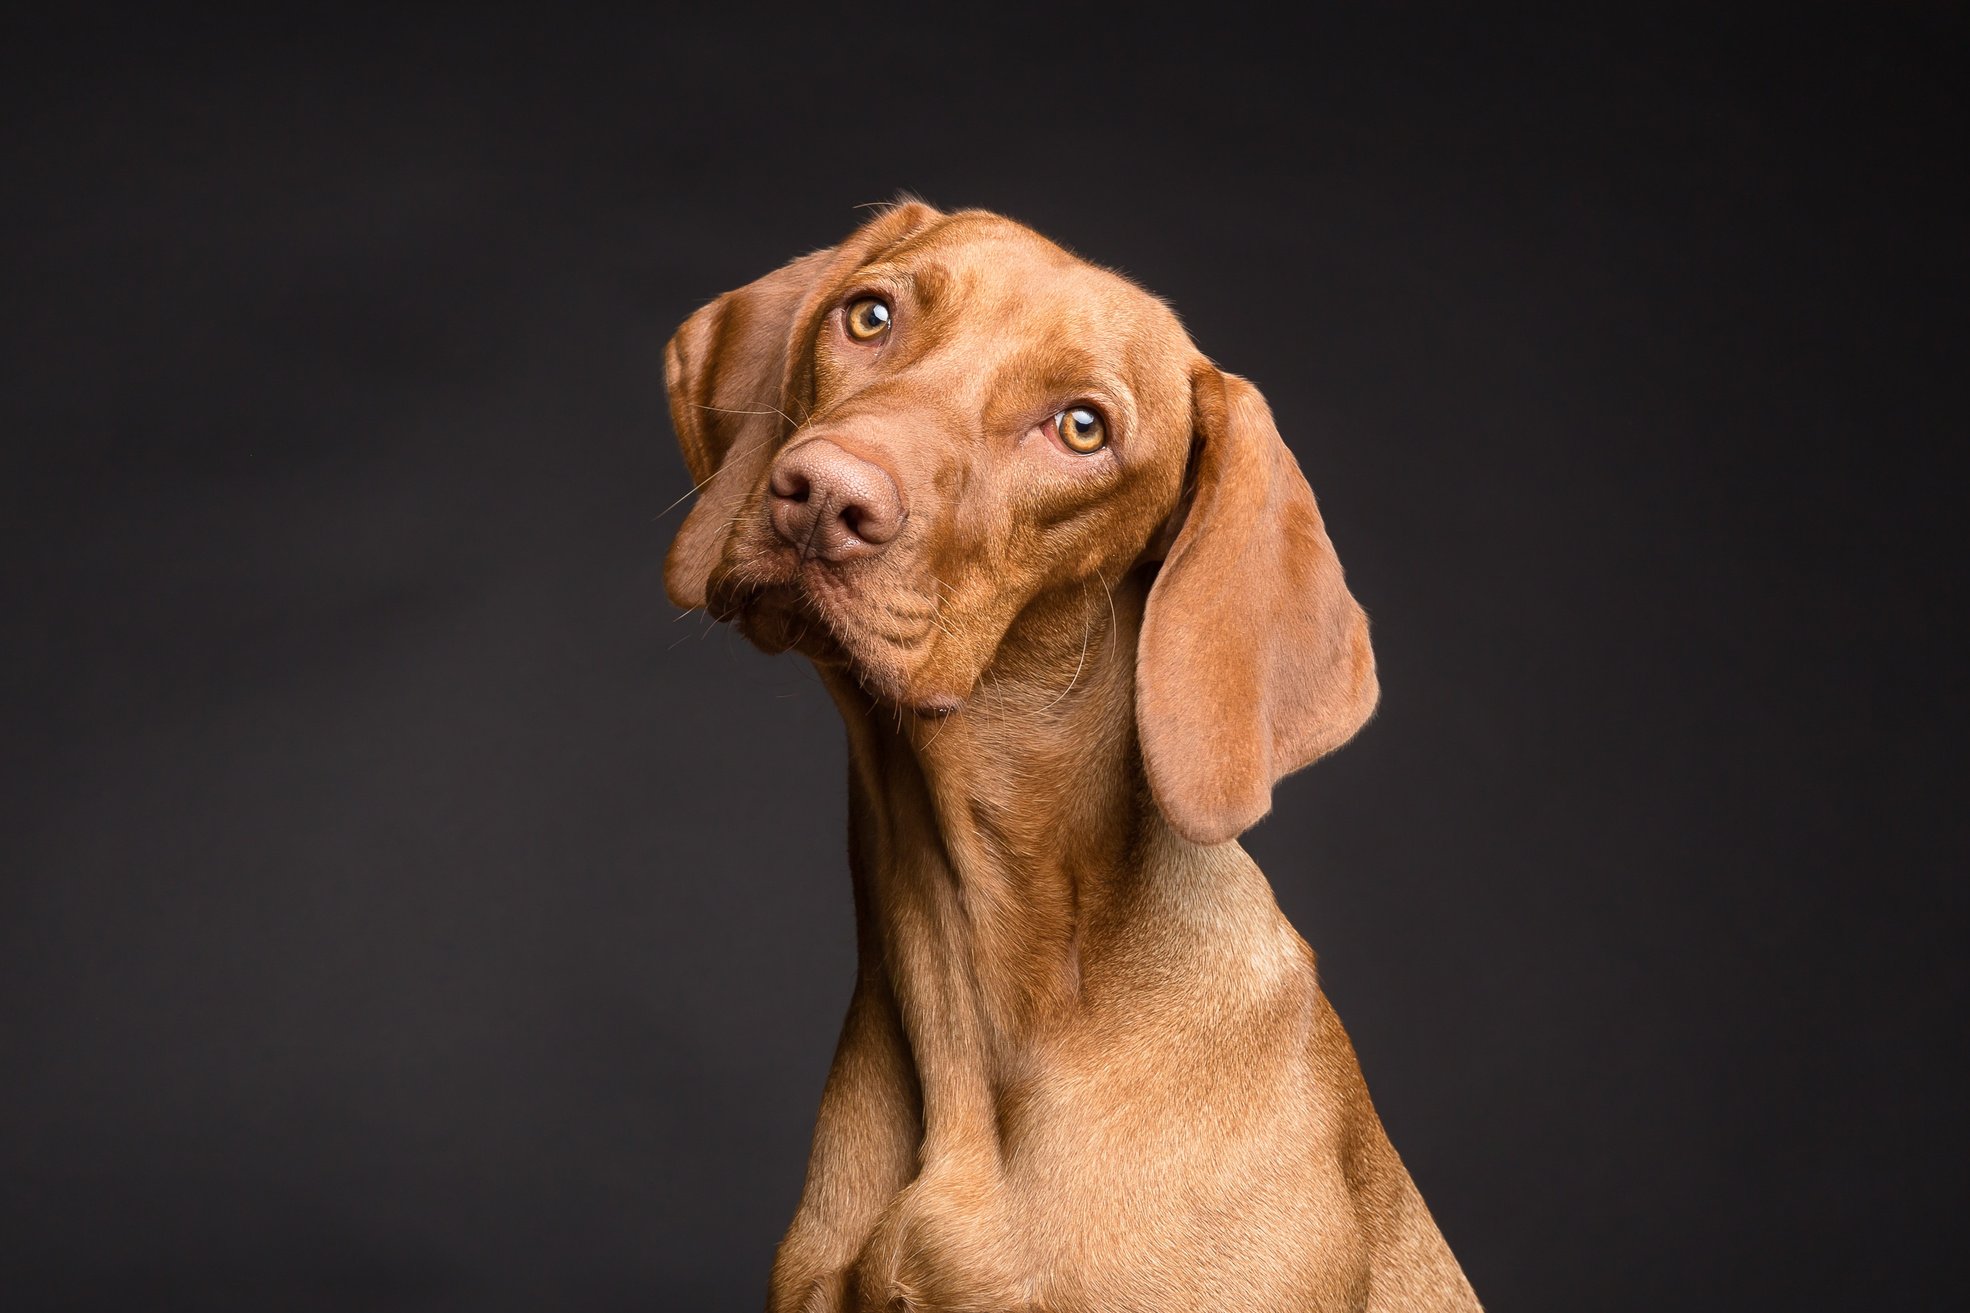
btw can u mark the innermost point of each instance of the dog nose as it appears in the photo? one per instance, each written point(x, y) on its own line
point(830, 504)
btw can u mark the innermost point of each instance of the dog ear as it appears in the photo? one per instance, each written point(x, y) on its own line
point(1254, 658)
point(733, 370)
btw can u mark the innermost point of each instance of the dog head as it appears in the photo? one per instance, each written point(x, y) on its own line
point(912, 445)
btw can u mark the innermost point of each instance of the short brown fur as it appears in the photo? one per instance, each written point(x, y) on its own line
point(1087, 1063)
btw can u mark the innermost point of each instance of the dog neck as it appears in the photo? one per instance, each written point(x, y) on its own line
point(989, 847)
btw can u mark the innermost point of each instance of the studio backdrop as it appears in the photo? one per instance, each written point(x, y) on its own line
point(402, 906)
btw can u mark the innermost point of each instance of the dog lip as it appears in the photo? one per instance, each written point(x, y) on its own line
point(786, 610)
point(937, 706)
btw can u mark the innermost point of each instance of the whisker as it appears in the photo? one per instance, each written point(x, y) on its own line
point(1086, 631)
point(731, 455)
point(936, 603)
point(722, 467)
point(728, 410)
point(942, 721)
point(1114, 622)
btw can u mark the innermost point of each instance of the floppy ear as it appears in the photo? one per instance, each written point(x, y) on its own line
point(1254, 658)
point(732, 371)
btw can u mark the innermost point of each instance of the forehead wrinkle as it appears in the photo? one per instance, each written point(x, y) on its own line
point(979, 246)
point(1053, 375)
point(994, 262)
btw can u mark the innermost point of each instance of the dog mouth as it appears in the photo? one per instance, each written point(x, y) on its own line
point(881, 645)
point(782, 618)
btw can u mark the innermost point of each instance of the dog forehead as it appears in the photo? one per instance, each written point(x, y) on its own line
point(999, 271)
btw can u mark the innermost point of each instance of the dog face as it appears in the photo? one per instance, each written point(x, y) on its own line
point(982, 419)
point(926, 452)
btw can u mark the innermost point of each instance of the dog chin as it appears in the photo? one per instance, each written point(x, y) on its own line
point(894, 686)
point(783, 618)
point(880, 675)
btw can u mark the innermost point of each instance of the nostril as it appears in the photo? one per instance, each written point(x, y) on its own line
point(791, 485)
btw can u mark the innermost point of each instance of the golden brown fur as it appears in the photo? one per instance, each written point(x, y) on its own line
point(1087, 1064)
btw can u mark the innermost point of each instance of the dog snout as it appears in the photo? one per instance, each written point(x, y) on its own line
point(830, 504)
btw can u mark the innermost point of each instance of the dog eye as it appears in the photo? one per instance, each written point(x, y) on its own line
point(1082, 430)
point(868, 318)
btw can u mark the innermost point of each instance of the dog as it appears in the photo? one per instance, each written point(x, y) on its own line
point(1074, 599)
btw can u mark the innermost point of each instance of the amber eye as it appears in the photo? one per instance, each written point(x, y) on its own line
point(868, 318)
point(1082, 430)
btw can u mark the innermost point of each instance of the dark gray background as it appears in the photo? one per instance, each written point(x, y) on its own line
point(401, 911)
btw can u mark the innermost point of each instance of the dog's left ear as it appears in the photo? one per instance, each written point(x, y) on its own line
point(733, 369)
point(1254, 657)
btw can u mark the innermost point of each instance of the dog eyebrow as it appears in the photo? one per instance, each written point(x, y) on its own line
point(1065, 373)
point(881, 277)
point(924, 284)
point(1057, 376)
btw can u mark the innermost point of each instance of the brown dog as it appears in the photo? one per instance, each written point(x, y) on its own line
point(1072, 595)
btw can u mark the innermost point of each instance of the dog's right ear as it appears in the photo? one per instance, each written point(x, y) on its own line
point(732, 370)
